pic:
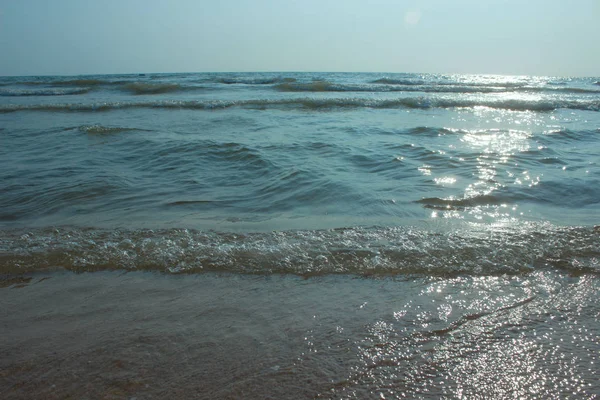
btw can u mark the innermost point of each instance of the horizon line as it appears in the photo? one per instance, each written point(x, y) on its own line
point(299, 72)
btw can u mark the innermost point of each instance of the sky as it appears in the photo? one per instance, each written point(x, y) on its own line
point(511, 37)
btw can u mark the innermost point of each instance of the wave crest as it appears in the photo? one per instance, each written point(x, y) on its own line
point(99, 129)
point(140, 88)
point(316, 86)
point(391, 81)
point(362, 251)
point(43, 92)
point(320, 104)
point(254, 80)
point(459, 204)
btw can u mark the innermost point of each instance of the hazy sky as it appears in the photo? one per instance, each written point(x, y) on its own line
point(542, 37)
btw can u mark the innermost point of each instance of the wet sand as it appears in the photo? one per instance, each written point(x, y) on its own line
point(116, 335)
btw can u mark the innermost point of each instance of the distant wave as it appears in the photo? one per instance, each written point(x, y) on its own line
point(253, 80)
point(59, 83)
point(325, 86)
point(42, 92)
point(191, 202)
point(388, 84)
point(144, 86)
point(570, 90)
point(320, 104)
point(411, 82)
point(316, 86)
point(363, 251)
point(99, 129)
point(80, 82)
point(140, 88)
point(391, 81)
point(82, 86)
point(148, 88)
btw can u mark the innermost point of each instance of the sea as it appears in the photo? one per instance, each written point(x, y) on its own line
point(300, 235)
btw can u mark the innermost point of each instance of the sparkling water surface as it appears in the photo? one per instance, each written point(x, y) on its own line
point(299, 235)
point(298, 151)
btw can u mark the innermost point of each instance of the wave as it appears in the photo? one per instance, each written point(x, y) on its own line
point(319, 104)
point(144, 88)
point(326, 86)
point(254, 80)
point(573, 90)
point(56, 88)
point(140, 88)
point(460, 204)
point(390, 81)
point(316, 86)
point(192, 202)
point(43, 92)
point(70, 82)
point(432, 131)
point(141, 85)
point(452, 82)
point(567, 135)
point(99, 129)
point(477, 251)
point(565, 193)
point(80, 82)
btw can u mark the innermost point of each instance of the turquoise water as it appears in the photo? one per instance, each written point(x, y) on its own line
point(284, 158)
point(311, 235)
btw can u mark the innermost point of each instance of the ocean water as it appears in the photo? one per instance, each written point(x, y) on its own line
point(465, 207)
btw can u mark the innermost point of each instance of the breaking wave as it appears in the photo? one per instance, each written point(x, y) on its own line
point(58, 83)
point(81, 82)
point(254, 80)
point(362, 251)
point(141, 84)
point(320, 104)
point(436, 82)
point(99, 129)
point(140, 88)
point(325, 86)
point(316, 86)
point(391, 81)
point(43, 92)
point(62, 88)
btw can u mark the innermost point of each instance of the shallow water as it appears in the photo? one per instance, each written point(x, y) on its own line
point(114, 335)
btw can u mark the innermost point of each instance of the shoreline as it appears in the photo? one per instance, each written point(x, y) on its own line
point(154, 335)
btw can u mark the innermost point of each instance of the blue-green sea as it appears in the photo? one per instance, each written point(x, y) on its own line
point(464, 209)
